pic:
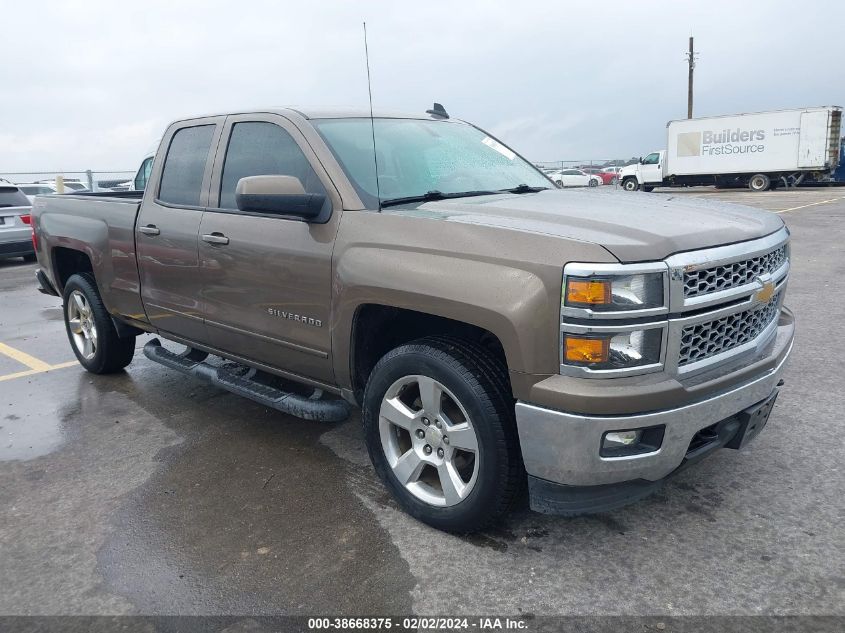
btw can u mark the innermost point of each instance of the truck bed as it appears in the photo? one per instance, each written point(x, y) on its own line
point(102, 226)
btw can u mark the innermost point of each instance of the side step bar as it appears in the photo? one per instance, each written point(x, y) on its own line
point(192, 362)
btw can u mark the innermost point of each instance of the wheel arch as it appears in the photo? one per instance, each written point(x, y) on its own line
point(68, 261)
point(378, 328)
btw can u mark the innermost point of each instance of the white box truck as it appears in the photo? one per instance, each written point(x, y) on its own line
point(758, 150)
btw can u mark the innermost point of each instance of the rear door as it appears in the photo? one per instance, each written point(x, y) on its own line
point(267, 278)
point(813, 140)
point(167, 229)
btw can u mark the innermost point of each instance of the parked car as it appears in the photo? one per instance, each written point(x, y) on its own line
point(15, 229)
point(70, 184)
point(575, 178)
point(587, 360)
point(32, 189)
point(610, 175)
point(606, 177)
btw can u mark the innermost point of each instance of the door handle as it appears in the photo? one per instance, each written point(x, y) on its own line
point(150, 229)
point(215, 238)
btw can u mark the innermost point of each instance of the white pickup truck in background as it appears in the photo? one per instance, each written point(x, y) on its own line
point(760, 151)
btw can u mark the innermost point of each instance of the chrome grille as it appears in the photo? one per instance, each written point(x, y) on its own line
point(704, 340)
point(709, 280)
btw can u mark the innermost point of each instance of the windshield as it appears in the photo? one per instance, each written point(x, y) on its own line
point(416, 157)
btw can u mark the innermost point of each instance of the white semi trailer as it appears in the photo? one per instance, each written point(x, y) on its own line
point(758, 150)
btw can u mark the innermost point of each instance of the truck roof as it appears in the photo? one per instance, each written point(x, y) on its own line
point(325, 113)
point(727, 116)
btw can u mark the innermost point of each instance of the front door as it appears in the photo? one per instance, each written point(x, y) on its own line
point(167, 229)
point(651, 170)
point(267, 278)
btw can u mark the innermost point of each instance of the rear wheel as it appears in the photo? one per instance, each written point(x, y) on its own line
point(91, 332)
point(630, 184)
point(759, 182)
point(439, 425)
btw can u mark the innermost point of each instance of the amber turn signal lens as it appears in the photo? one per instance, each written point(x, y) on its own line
point(586, 350)
point(588, 292)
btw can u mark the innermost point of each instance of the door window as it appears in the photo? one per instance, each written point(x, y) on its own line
point(259, 148)
point(184, 167)
point(651, 159)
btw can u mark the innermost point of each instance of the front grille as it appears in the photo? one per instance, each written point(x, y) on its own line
point(720, 335)
point(703, 282)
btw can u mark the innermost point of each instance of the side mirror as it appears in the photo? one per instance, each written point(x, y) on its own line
point(281, 195)
point(641, 160)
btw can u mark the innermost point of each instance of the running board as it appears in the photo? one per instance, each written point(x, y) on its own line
point(192, 362)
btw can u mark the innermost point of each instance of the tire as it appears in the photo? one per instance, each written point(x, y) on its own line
point(613, 181)
point(647, 188)
point(475, 405)
point(759, 182)
point(593, 182)
point(30, 258)
point(630, 184)
point(90, 330)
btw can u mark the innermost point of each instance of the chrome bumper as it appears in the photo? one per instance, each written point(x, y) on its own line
point(564, 447)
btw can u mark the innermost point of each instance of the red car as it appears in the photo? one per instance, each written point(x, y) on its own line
point(608, 175)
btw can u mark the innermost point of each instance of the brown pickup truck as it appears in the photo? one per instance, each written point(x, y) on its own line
point(497, 332)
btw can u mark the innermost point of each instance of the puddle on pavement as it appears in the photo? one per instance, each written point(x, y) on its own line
point(32, 411)
point(249, 514)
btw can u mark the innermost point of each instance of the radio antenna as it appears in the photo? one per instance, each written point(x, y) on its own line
point(372, 120)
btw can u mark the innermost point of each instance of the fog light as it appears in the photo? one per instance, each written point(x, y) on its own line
point(621, 438)
point(632, 442)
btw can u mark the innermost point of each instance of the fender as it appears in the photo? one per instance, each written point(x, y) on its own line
point(504, 281)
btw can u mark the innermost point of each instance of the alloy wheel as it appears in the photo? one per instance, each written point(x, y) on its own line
point(80, 320)
point(429, 440)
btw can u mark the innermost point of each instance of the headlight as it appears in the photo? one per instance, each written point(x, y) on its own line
point(595, 342)
point(629, 292)
point(611, 289)
point(635, 348)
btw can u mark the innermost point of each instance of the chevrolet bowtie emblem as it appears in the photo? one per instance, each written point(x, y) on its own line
point(766, 292)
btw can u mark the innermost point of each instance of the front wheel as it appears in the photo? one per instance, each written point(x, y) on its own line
point(439, 426)
point(594, 182)
point(91, 332)
point(630, 184)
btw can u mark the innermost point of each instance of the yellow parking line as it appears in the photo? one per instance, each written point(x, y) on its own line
point(812, 204)
point(32, 372)
point(23, 358)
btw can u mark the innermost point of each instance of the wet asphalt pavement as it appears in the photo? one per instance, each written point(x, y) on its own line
point(148, 492)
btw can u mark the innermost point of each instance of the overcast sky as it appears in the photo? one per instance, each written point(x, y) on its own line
point(92, 84)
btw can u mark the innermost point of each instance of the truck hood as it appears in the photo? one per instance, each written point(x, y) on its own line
point(632, 226)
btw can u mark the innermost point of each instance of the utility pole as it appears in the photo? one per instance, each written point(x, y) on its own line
point(691, 62)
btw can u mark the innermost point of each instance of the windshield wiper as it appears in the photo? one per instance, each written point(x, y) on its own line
point(523, 188)
point(434, 195)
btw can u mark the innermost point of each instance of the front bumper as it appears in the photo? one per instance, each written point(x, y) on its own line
point(563, 448)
